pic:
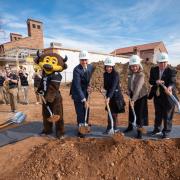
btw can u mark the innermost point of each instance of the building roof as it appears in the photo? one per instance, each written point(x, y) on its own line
point(142, 47)
point(34, 20)
point(15, 34)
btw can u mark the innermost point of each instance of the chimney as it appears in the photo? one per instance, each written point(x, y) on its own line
point(34, 27)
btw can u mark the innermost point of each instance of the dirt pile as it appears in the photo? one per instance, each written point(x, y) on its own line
point(97, 78)
point(108, 159)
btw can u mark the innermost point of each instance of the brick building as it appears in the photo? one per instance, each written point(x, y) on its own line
point(145, 51)
point(33, 41)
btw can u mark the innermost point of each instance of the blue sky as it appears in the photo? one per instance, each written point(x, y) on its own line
point(97, 25)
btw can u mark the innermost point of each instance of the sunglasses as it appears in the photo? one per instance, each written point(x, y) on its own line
point(83, 59)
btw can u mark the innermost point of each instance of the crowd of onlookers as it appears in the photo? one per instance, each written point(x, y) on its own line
point(15, 84)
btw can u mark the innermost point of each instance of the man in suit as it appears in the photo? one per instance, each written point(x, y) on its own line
point(164, 106)
point(80, 87)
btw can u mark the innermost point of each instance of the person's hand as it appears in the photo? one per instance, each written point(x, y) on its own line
point(103, 92)
point(86, 104)
point(169, 89)
point(89, 89)
point(159, 82)
point(41, 93)
point(132, 103)
point(107, 100)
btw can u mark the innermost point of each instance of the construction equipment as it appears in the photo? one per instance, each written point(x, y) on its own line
point(84, 128)
point(18, 118)
point(53, 117)
point(174, 99)
point(111, 131)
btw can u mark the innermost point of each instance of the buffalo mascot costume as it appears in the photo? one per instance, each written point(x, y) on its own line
point(52, 108)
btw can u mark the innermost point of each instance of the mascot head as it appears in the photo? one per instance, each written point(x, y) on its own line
point(51, 62)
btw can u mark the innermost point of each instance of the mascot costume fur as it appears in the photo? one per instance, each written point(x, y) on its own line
point(52, 108)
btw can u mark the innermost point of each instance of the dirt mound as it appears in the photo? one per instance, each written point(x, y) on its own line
point(97, 78)
point(108, 158)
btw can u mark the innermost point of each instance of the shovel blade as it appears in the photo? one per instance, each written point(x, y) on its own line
point(18, 118)
point(83, 129)
point(111, 132)
point(54, 118)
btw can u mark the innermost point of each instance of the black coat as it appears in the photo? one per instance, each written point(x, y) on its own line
point(111, 85)
point(80, 82)
point(169, 78)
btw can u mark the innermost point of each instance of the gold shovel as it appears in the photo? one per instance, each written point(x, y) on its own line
point(53, 117)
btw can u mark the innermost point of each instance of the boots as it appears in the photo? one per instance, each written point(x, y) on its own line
point(128, 129)
point(139, 134)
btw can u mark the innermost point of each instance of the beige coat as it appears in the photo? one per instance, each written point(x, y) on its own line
point(136, 85)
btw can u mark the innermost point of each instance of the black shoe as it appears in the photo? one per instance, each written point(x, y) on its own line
point(80, 135)
point(165, 135)
point(59, 135)
point(155, 132)
point(129, 128)
point(139, 135)
point(43, 132)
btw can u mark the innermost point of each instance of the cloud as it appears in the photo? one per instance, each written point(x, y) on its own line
point(103, 25)
point(17, 25)
point(174, 51)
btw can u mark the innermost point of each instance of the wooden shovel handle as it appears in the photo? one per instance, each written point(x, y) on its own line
point(5, 125)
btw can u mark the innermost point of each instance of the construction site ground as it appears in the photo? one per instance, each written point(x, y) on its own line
point(26, 155)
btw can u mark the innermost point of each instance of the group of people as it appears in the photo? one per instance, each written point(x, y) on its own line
point(10, 87)
point(12, 83)
point(162, 74)
point(47, 82)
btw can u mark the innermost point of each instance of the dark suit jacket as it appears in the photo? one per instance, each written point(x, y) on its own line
point(169, 78)
point(80, 82)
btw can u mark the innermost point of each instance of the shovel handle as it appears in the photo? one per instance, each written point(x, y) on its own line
point(176, 102)
point(103, 92)
point(133, 111)
point(6, 124)
point(110, 115)
point(48, 108)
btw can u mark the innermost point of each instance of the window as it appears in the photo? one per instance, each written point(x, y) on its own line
point(38, 26)
point(33, 25)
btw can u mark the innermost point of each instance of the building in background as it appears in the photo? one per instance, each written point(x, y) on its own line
point(33, 41)
point(21, 50)
point(145, 51)
point(73, 58)
point(20, 47)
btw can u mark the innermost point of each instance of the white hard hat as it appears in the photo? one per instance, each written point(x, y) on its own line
point(83, 55)
point(109, 62)
point(162, 57)
point(134, 59)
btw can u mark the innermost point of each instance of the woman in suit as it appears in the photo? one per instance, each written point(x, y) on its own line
point(114, 95)
point(138, 95)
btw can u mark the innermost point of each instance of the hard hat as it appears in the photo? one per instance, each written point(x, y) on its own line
point(162, 57)
point(83, 55)
point(109, 62)
point(134, 59)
